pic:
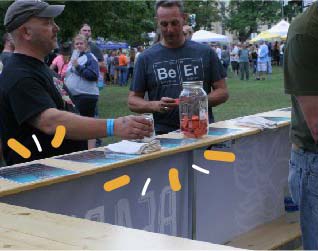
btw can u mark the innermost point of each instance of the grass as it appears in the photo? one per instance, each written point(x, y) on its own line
point(246, 97)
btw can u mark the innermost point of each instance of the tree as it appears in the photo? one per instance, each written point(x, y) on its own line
point(3, 8)
point(244, 16)
point(206, 12)
point(113, 20)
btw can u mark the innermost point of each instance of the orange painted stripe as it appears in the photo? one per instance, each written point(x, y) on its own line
point(174, 179)
point(219, 156)
point(116, 183)
point(59, 136)
point(19, 148)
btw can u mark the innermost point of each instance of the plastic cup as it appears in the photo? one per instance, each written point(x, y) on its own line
point(149, 116)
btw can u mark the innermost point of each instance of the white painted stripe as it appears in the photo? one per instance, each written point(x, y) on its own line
point(144, 190)
point(200, 169)
point(36, 141)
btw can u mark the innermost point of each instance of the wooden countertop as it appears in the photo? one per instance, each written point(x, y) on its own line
point(24, 228)
point(8, 187)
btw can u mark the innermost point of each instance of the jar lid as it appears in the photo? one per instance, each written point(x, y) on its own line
point(192, 84)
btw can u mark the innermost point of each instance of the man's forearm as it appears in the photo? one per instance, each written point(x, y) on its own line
point(217, 97)
point(77, 127)
point(309, 107)
point(139, 105)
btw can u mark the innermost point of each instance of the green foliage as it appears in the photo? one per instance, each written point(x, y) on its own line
point(128, 20)
point(113, 20)
point(245, 15)
point(3, 8)
point(206, 12)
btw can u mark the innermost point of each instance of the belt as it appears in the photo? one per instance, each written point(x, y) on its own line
point(296, 147)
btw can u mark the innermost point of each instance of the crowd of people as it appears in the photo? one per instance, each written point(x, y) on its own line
point(257, 58)
point(35, 98)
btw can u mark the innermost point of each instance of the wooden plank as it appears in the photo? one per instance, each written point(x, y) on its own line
point(33, 229)
point(276, 234)
point(275, 114)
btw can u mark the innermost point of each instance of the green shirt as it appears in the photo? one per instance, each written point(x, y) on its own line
point(301, 71)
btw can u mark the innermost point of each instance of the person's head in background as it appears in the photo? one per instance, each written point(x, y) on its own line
point(132, 53)
point(86, 30)
point(8, 43)
point(170, 18)
point(157, 38)
point(65, 51)
point(140, 48)
point(187, 31)
point(80, 43)
point(261, 42)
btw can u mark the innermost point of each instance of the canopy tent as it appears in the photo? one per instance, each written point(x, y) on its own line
point(281, 28)
point(203, 36)
point(265, 36)
point(277, 32)
point(111, 45)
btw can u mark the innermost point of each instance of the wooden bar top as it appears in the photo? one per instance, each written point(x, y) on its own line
point(24, 228)
point(8, 187)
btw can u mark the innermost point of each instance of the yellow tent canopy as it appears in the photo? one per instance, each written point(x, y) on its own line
point(265, 36)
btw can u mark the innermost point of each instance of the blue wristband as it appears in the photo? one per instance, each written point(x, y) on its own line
point(110, 127)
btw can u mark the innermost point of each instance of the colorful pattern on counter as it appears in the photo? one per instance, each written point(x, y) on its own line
point(98, 157)
point(277, 119)
point(215, 131)
point(32, 173)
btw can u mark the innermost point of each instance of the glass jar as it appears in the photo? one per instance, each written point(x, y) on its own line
point(193, 110)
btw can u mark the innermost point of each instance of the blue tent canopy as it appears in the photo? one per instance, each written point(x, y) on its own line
point(111, 45)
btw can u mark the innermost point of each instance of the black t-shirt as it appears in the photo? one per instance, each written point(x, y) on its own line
point(96, 51)
point(4, 57)
point(27, 88)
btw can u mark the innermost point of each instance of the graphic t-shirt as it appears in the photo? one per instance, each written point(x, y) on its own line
point(160, 71)
point(27, 88)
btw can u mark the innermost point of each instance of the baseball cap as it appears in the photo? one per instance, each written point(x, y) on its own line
point(20, 11)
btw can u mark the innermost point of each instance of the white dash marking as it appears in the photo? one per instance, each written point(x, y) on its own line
point(200, 169)
point(37, 142)
point(144, 190)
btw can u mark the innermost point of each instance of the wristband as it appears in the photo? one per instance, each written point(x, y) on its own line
point(110, 127)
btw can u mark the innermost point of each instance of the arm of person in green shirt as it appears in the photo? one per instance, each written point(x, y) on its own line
point(309, 107)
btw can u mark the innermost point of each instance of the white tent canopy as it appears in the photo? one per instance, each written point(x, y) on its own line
point(281, 28)
point(203, 36)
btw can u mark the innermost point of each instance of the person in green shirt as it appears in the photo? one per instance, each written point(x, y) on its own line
point(301, 77)
point(244, 62)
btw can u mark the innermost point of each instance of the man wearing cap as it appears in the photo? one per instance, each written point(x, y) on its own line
point(161, 69)
point(33, 104)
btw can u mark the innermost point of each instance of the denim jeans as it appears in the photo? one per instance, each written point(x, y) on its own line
point(269, 65)
point(123, 75)
point(303, 186)
point(244, 70)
